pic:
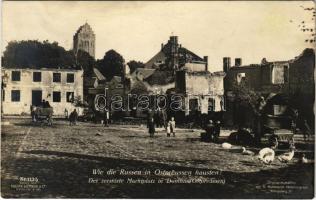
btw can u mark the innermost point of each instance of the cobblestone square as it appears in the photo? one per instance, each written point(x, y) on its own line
point(58, 161)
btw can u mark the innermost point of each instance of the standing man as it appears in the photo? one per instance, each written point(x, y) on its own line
point(172, 125)
point(149, 116)
point(33, 113)
point(66, 113)
point(151, 127)
point(217, 129)
point(258, 119)
point(164, 118)
point(106, 118)
point(73, 117)
point(43, 103)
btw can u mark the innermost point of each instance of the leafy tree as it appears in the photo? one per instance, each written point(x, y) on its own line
point(78, 102)
point(86, 61)
point(245, 103)
point(111, 65)
point(33, 53)
point(133, 65)
point(245, 94)
point(306, 24)
point(139, 88)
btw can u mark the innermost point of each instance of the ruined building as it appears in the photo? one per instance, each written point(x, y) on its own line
point(23, 87)
point(159, 72)
point(175, 70)
point(84, 40)
point(267, 77)
point(172, 56)
point(203, 91)
point(292, 78)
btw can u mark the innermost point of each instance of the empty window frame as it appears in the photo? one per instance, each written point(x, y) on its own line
point(56, 77)
point(56, 96)
point(16, 76)
point(15, 95)
point(70, 78)
point(37, 76)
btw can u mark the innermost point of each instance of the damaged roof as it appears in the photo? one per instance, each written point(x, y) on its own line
point(98, 74)
point(144, 72)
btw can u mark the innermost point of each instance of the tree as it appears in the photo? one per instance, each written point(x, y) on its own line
point(133, 65)
point(245, 94)
point(86, 61)
point(33, 53)
point(306, 24)
point(245, 103)
point(111, 65)
point(78, 102)
point(139, 88)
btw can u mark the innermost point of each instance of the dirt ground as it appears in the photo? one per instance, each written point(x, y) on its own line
point(63, 157)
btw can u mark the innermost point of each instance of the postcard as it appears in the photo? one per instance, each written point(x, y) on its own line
point(158, 99)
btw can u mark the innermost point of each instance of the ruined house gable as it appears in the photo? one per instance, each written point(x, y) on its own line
point(173, 56)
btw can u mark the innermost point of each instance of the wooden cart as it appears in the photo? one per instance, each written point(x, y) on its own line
point(278, 128)
point(44, 115)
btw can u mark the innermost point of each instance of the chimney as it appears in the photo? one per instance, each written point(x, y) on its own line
point(226, 64)
point(238, 62)
point(161, 46)
point(174, 46)
point(205, 58)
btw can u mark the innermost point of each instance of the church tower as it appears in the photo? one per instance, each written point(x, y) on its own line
point(84, 40)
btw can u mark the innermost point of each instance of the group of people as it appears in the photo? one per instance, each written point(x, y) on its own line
point(73, 117)
point(44, 104)
point(159, 119)
point(213, 129)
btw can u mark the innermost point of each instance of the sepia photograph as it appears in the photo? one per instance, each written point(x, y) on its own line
point(158, 99)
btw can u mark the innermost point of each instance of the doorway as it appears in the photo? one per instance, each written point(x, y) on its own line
point(36, 97)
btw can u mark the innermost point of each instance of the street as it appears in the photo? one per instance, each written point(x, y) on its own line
point(63, 161)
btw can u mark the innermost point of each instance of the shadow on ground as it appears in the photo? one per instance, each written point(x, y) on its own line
point(66, 176)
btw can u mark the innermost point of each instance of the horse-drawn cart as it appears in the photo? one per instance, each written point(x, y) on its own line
point(43, 115)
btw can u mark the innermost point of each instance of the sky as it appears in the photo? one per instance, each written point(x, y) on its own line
point(249, 30)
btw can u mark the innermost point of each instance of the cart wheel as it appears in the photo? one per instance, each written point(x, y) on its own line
point(274, 141)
